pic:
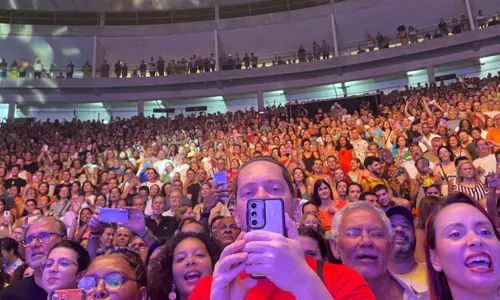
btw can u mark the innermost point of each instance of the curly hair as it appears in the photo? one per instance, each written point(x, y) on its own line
point(161, 277)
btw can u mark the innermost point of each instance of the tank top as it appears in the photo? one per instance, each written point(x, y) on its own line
point(308, 162)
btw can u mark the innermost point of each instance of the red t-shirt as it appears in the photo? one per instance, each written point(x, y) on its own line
point(342, 282)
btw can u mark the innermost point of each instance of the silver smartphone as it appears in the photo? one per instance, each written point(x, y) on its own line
point(267, 215)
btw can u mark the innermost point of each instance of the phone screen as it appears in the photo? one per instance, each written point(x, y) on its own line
point(220, 177)
point(113, 215)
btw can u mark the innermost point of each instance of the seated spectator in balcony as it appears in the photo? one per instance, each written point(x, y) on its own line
point(124, 70)
point(301, 53)
point(38, 67)
point(370, 41)
point(456, 28)
point(3, 68)
point(118, 69)
point(325, 50)
point(310, 56)
point(200, 64)
point(481, 20)
point(192, 65)
point(152, 67)
point(87, 70)
point(182, 66)
point(464, 22)
point(230, 62)
point(443, 27)
point(360, 50)
point(70, 68)
point(316, 51)
point(223, 62)
point(14, 70)
point(142, 69)
point(280, 61)
point(60, 75)
point(170, 67)
point(254, 60)
point(237, 62)
point(105, 69)
point(246, 61)
point(495, 20)
point(382, 41)
point(160, 63)
point(206, 64)
point(403, 35)
point(23, 68)
point(212, 62)
point(437, 34)
point(412, 33)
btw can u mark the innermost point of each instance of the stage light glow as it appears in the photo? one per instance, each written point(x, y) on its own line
point(4, 31)
point(71, 51)
point(42, 50)
point(60, 31)
point(25, 33)
point(13, 4)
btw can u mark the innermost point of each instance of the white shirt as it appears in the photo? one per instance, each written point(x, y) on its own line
point(168, 213)
point(488, 163)
point(423, 145)
point(160, 165)
point(412, 290)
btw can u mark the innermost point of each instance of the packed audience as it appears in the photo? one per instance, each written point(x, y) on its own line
point(398, 203)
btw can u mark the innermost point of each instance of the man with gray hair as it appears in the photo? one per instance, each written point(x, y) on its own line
point(41, 235)
point(362, 239)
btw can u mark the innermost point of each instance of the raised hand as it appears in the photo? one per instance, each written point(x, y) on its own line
point(227, 285)
point(493, 180)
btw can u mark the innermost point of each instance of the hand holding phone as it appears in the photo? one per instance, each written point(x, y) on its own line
point(220, 177)
point(70, 294)
point(113, 215)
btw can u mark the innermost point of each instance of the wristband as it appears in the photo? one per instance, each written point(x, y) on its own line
point(94, 235)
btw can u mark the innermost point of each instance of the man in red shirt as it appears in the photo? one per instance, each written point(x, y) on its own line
point(280, 259)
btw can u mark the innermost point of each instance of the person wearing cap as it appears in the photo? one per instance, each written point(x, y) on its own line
point(403, 263)
point(362, 239)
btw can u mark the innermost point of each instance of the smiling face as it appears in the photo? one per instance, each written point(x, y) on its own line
point(403, 236)
point(191, 262)
point(467, 249)
point(363, 243)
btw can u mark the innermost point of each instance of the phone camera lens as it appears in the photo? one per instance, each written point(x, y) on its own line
point(254, 214)
point(254, 222)
point(253, 205)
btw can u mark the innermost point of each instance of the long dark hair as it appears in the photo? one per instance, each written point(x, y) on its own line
point(315, 196)
point(161, 273)
point(439, 289)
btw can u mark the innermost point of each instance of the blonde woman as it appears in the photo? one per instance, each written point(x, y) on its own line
point(468, 182)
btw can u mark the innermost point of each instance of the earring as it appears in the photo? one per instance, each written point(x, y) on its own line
point(172, 295)
point(438, 269)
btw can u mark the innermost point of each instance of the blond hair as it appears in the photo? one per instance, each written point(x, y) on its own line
point(460, 178)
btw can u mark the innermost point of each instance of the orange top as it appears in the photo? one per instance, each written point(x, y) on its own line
point(326, 218)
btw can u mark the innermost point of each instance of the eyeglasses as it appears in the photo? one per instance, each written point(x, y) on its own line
point(63, 264)
point(112, 282)
point(356, 233)
point(135, 247)
point(42, 237)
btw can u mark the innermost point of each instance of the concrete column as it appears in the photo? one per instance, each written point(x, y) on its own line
point(12, 111)
point(334, 34)
point(470, 15)
point(216, 50)
point(431, 77)
point(102, 18)
point(94, 58)
point(140, 107)
point(260, 101)
point(216, 12)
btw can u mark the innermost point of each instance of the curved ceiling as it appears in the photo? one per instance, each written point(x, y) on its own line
point(118, 5)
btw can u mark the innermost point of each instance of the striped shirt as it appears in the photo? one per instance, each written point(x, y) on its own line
point(478, 193)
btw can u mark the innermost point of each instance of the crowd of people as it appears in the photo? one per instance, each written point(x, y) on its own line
point(397, 203)
point(411, 35)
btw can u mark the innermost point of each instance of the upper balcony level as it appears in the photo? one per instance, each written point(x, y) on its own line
point(342, 25)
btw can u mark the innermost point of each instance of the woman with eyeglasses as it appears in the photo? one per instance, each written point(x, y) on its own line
point(462, 251)
point(116, 275)
point(312, 221)
point(181, 264)
point(468, 182)
point(65, 265)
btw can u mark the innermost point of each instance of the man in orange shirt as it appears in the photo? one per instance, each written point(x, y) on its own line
point(280, 259)
point(494, 133)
